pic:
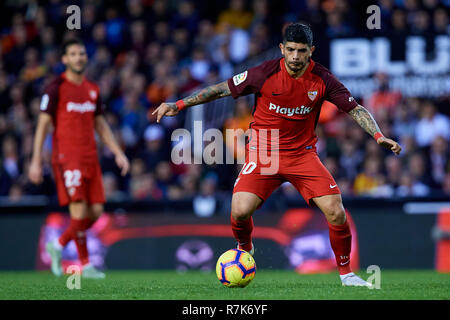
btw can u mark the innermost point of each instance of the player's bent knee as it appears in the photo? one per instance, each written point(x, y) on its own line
point(241, 211)
point(240, 215)
point(336, 216)
point(243, 204)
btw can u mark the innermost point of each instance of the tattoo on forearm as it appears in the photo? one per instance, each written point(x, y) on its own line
point(208, 94)
point(172, 105)
point(365, 120)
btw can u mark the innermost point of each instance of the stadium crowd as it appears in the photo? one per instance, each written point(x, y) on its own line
point(144, 52)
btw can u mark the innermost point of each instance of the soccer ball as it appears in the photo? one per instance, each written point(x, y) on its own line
point(235, 268)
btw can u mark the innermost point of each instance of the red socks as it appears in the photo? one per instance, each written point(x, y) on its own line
point(77, 232)
point(340, 239)
point(341, 243)
point(242, 230)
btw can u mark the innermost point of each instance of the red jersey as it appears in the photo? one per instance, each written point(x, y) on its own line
point(290, 105)
point(73, 109)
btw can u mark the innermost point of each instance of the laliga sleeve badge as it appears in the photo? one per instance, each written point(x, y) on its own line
point(239, 78)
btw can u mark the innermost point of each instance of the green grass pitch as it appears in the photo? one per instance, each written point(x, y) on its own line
point(267, 285)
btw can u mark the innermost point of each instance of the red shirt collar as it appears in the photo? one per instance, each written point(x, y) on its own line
point(63, 75)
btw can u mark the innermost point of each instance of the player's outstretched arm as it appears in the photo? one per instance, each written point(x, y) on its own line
point(105, 133)
point(207, 94)
point(368, 123)
point(35, 169)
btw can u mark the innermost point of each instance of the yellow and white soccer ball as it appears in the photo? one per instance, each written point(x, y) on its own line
point(235, 268)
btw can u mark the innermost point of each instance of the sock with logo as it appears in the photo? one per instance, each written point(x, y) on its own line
point(341, 243)
point(68, 234)
point(242, 230)
point(77, 232)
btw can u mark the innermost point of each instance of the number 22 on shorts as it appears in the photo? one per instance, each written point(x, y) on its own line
point(72, 178)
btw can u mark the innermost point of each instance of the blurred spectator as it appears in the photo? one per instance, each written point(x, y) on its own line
point(158, 91)
point(205, 203)
point(440, 21)
point(145, 188)
point(138, 31)
point(205, 35)
point(164, 176)
point(409, 146)
point(312, 13)
point(159, 11)
point(439, 160)
point(189, 185)
point(393, 165)
point(110, 185)
point(239, 45)
point(383, 188)
point(383, 100)
point(11, 165)
point(154, 151)
point(411, 188)
point(350, 159)
point(162, 32)
point(115, 28)
point(135, 10)
point(238, 125)
point(199, 66)
point(236, 15)
point(337, 27)
point(175, 192)
point(431, 125)
point(15, 192)
point(186, 18)
point(411, 7)
point(446, 184)
point(366, 182)
point(373, 150)
point(421, 24)
point(32, 69)
point(405, 122)
point(261, 16)
point(398, 33)
point(417, 169)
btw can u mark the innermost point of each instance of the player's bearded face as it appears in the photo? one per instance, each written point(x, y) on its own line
point(76, 58)
point(296, 55)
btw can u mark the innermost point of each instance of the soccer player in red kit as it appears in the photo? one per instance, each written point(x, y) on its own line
point(289, 93)
point(73, 105)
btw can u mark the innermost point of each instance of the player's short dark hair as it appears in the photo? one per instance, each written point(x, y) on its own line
point(70, 42)
point(298, 32)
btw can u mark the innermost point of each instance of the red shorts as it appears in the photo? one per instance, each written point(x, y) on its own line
point(77, 182)
point(305, 171)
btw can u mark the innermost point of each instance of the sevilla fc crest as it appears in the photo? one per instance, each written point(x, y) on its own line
point(93, 94)
point(312, 95)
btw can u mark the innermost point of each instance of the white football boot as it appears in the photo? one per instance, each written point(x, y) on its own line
point(352, 280)
point(90, 272)
point(252, 251)
point(55, 253)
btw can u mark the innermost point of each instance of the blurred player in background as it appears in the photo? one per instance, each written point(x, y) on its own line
point(73, 105)
point(289, 93)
